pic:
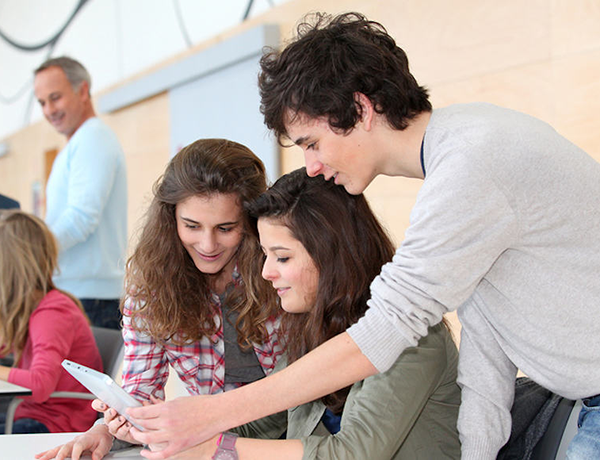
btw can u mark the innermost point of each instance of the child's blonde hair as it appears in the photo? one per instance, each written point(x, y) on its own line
point(28, 259)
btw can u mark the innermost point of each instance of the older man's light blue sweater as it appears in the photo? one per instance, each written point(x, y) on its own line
point(86, 202)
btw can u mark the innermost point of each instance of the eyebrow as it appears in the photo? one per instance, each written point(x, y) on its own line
point(301, 140)
point(223, 224)
point(51, 95)
point(276, 248)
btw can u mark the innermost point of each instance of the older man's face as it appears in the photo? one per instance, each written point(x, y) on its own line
point(63, 106)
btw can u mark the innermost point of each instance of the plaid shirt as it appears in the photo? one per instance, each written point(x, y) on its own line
point(199, 365)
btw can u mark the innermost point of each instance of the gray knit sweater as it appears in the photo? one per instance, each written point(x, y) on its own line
point(506, 228)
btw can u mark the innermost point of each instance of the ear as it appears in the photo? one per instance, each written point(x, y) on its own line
point(367, 110)
point(84, 90)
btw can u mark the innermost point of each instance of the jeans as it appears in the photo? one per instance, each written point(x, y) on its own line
point(103, 312)
point(24, 425)
point(586, 443)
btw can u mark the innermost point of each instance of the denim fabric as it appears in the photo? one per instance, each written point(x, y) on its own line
point(24, 425)
point(103, 312)
point(586, 443)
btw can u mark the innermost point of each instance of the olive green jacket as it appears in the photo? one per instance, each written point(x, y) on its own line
point(406, 413)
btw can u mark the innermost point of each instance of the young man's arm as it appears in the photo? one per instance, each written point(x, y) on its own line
point(184, 422)
point(487, 379)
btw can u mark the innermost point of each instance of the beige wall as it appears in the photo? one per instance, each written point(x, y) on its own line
point(538, 56)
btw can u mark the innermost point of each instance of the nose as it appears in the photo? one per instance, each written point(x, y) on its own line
point(313, 166)
point(48, 109)
point(268, 272)
point(208, 242)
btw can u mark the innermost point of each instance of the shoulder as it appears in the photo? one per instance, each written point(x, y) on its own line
point(57, 299)
point(480, 127)
point(436, 357)
point(93, 126)
point(57, 304)
point(96, 134)
point(474, 141)
point(480, 113)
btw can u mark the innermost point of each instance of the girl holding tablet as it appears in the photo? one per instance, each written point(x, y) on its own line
point(195, 298)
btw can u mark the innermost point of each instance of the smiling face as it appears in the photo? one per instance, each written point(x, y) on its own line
point(63, 106)
point(210, 229)
point(344, 158)
point(288, 266)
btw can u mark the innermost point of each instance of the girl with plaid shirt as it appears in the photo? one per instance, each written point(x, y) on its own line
point(188, 285)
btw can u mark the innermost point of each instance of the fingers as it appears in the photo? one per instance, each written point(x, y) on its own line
point(98, 448)
point(96, 440)
point(98, 405)
point(66, 452)
point(115, 424)
point(110, 415)
point(144, 412)
point(101, 451)
point(47, 455)
point(78, 449)
point(59, 452)
point(124, 433)
point(149, 437)
point(150, 424)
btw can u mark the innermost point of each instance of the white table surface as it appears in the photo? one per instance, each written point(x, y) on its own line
point(25, 446)
point(10, 389)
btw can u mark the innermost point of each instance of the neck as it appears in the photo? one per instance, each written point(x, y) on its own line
point(89, 113)
point(219, 281)
point(403, 148)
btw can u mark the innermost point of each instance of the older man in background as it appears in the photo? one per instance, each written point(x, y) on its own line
point(86, 194)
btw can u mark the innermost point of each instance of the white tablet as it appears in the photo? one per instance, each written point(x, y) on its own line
point(104, 388)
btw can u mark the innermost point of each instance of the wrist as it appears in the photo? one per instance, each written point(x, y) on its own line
point(224, 407)
point(4, 373)
point(100, 428)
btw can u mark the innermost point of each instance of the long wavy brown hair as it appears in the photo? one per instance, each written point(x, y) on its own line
point(28, 259)
point(169, 297)
point(348, 246)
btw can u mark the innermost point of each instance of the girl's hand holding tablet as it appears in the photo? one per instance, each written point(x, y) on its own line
point(117, 425)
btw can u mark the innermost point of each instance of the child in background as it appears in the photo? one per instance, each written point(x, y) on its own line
point(41, 326)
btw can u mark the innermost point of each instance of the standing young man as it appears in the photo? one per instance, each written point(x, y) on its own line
point(86, 195)
point(504, 230)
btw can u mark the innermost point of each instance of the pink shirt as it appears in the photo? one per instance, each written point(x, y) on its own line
point(58, 330)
